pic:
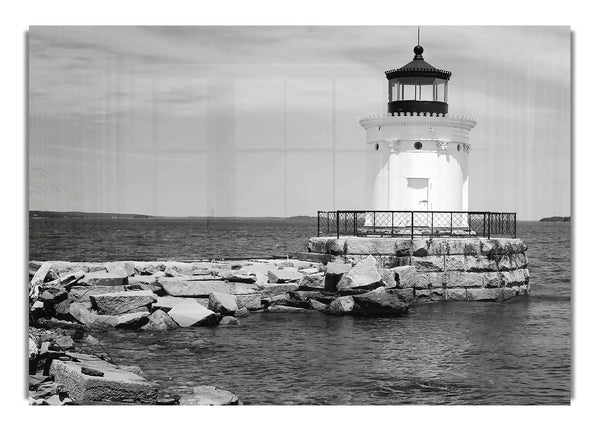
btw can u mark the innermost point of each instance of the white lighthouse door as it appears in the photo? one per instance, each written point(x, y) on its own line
point(418, 194)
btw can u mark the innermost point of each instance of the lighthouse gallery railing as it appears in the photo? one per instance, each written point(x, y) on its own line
point(416, 223)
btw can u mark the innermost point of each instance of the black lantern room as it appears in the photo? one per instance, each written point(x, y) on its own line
point(418, 87)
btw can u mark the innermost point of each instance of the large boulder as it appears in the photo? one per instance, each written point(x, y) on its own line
point(159, 321)
point(334, 273)
point(286, 275)
point(115, 385)
point(286, 309)
point(222, 303)
point(122, 302)
point(190, 313)
point(102, 278)
point(341, 305)
point(194, 288)
point(251, 302)
point(312, 282)
point(363, 275)
point(229, 321)
point(80, 312)
point(388, 277)
point(269, 290)
point(380, 302)
point(239, 276)
point(209, 396)
point(406, 276)
point(166, 303)
point(126, 269)
point(132, 320)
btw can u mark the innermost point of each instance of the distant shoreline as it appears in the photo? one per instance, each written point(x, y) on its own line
point(86, 215)
point(556, 218)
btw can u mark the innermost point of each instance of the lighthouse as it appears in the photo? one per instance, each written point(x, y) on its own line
point(418, 153)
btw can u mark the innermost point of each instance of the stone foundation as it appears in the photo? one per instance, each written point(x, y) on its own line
point(457, 269)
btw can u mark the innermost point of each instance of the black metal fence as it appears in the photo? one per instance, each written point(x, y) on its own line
point(416, 223)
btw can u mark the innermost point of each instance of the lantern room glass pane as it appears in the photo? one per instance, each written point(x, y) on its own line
point(410, 92)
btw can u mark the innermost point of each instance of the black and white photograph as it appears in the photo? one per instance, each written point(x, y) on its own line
point(299, 215)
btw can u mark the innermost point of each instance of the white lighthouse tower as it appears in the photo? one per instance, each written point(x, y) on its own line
point(418, 152)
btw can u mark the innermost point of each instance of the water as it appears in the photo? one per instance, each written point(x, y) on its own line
point(517, 352)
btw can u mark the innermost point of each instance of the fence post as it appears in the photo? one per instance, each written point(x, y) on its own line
point(432, 223)
point(337, 223)
point(392, 223)
point(515, 225)
point(451, 223)
point(355, 233)
point(374, 229)
point(488, 228)
point(318, 223)
point(412, 225)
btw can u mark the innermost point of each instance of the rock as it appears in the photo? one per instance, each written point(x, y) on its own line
point(309, 271)
point(166, 303)
point(122, 302)
point(91, 341)
point(116, 385)
point(316, 305)
point(407, 295)
point(269, 290)
point(304, 296)
point(102, 278)
point(363, 275)
point(64, 342)
point(341, 305)
point(182, 286)
point(61, 309)
point(54, 294)
point(223, 303)
point(81, 313)
point(312, 282)
point(242, 312)
point(250, 302)
point(33, 348)
point(132, 320)
point(40, 275)
point(92, 372)
point(380, 302)
point(239, 276)
point(334, 273)
point(125, 269)
point(229, 321)
point(82, 294)
point(149, 268)
point(132, 369)
point(286, 309)
point(177, 269)
point(190, 313)
point(286, 275)
point(388, 277)
point(159, 321)
point(209, 396)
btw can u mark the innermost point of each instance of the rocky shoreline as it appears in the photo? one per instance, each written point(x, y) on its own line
point(69, 299)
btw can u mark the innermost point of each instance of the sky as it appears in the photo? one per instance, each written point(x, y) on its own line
point(262, 121)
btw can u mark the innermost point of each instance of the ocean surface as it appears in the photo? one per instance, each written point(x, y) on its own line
point(517, 352)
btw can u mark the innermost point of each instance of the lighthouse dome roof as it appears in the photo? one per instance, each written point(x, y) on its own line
point(418, 67)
